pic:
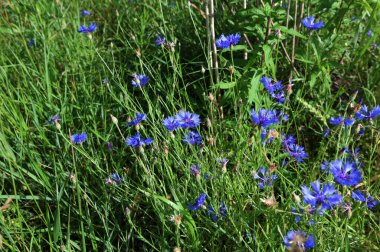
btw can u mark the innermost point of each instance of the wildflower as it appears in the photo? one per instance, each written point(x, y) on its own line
point(336, 120)
point(137, 141)
point(222, 211)
point(359, 196)
point(364, 114)
point(308, 22)
point(115, 179)
point(192, 138)
point(109, 145)
point(54, 119)
point(349, 121)
point(280, 97)
point(139, 80)
point(227, 42)
point(198, 203)
point(177, 219)
point(297, 217)
point(271, 87)
point(195, 170)
point(31, 42)
point(266, 178)
point(160, 40)
point(187, 120)
point(139, 117)
point(265, 118)
point(369, 33)
point(269, 202)
point(324, 197)
point(79, 138)
point(170, 123)
point(345, 173)
point(223, 162)
point(85, 13)
point(297, 152)
point(298, 240)
point(83, 29)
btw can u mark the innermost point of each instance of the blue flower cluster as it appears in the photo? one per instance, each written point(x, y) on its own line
point(79, 138)
point(309, 22)
point(295, 151)
point(136, 121)
point(345, 173)
point(227, 42)
point(275, 89)
point(91, 28)
point(359, 196)
point(265, 117)
point(139, 80)
point(137, 141)
point(298, 241)
point(266, 179)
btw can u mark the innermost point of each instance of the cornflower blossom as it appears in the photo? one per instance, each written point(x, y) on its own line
point(194, 169)
point(139, 117)
point(139, 80)
point(280, 97)
point(79, 138)
point(227, 42)
point(85, 13)
point(223, 162)
point(265, 178)
point(91, 28)
point(115, 179)
point(192, 138)
point(199, 203)
point(222, 211)
point(308, 22)
point(266, 117)
point(336, 120)
point(295, 151)
point(298, 241)
point(31, 42)
point(54, 119)
point(160, 40)
point(349, 121)
point(359, 196)
point(364, 114)
point(369, 33)
point(170, 123)
point(137, 141)
point(274, 89)
point(345, 173)
point(323, 198)
point(187, 119)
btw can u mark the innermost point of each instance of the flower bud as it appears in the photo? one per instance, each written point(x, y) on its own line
point(114, 119)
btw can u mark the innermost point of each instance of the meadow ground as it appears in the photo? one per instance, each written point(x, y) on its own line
point(203, 125)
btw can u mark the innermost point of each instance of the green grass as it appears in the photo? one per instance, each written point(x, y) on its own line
point(61, 201)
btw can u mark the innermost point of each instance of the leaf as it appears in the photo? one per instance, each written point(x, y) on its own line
point(226, 85)
point(290, 31)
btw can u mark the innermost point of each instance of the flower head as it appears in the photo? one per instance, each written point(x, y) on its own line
point(187, 120)
point(269, 85)
point(363, 113)
point(194, 169)
point(265, 178)
point(170, 123)
point(359, 196)
point(227, 42)
point(85, 13)
point(83, 29)
point(137, 141)
point(324, 197)
point(139, 117)
point(115, 179)
point(31, 42)
point(308, 22)
point(345, 173)
point(198, 203)
point(369, 33)
point(160, 40)
point(298, 240)
point(222, 211)
point(54, 119)
point(192, 138)
point(265, 117)
point(336, 120)
point(139, 80)
point(79, 138)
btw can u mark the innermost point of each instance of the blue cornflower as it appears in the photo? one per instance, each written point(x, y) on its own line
point(297, 152)
point(286, 141)
point(266, 178)
point(336, 120)
point(349, 121)
point(324, 197)
point(280, 97)
point(160, 40)
point(345, 173)
point(79, 138)
point(369, 33)
point(214, 215)
point(192, 138)
point(265, 117)
point(308, 22)
point(83, 29)
point(139, 80)
point(115, 179)
point(364, 114)
point(270, 86)
point(85, 13)
point(170, 123)
point(227, 42)
point(194, 169)
point(54, 119)
point(31, 42)
point(198, 203)
point(187, 120)
point(298, 240)
point(137, 141)
point(359, 196)
point(139, 117)
point(325, 166)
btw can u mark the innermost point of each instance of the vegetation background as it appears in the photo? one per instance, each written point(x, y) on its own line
point(59, 196)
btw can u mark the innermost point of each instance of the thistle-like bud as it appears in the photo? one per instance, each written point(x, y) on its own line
point(211, 97)
point(208, 122)
point(203, 70)
point(296, 198)
point(114, 119)
point(58, 126)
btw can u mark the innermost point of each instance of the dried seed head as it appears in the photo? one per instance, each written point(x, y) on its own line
point(114, 119)
point(269, 202)
point(208, 123)
point(177, 219)
point(211, 97)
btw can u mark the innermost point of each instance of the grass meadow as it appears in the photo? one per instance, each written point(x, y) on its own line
point(203, 125)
